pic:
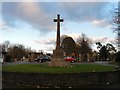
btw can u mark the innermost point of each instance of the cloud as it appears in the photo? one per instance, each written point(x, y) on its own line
point(52, 40)
point(85, 11)
point(40, 15)
point(35, 15)
point(4, 26)
point(75, 36)
point(59, 0)
point(50, 48)
point(100, 23)
point(103, 39)
point(29, 12)
point(48, 41)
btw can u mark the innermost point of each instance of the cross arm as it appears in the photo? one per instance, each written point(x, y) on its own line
point(56, 20)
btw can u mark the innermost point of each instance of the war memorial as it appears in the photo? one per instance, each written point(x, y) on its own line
point(93, 79)
point(58, 58)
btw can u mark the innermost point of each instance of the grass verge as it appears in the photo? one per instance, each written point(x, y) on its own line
point(43, 68)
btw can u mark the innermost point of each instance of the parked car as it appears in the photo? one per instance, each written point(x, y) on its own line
point(71, 59)
point(43, 58)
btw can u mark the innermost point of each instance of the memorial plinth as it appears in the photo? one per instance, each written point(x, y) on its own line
point(58, 55)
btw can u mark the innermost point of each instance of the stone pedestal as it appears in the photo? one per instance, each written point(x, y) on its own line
point(58, 59)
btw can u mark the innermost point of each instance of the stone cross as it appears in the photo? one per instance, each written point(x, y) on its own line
point(58, 54)
point(58, 20)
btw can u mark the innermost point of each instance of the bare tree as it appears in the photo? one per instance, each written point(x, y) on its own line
point(5, 45)
point(116, 24)
point(17, 51)
point(85, 47)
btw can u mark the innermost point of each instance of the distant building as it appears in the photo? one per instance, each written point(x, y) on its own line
point(33, 55)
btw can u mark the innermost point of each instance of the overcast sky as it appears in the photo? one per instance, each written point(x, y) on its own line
point(31, 23)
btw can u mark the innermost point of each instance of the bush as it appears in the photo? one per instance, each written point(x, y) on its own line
point(117, 57)
point(7, 58)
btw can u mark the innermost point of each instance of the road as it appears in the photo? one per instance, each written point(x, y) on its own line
point(33, 62)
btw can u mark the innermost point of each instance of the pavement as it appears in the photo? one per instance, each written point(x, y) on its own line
point(19, 62)
point(33, 62)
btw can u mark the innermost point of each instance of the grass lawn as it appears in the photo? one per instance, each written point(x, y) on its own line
point(42, 68)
